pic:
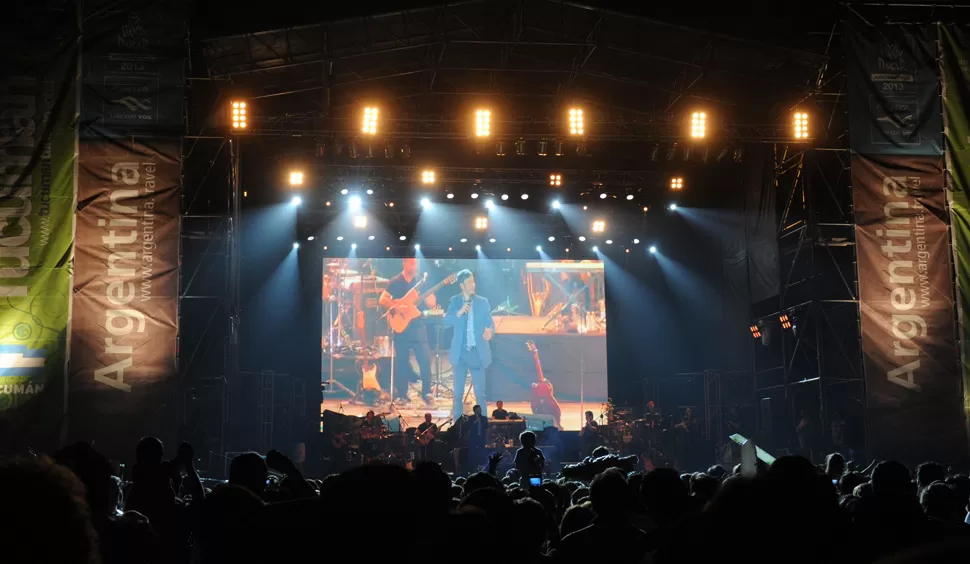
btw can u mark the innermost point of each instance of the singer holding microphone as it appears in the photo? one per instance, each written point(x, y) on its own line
point(471, 317)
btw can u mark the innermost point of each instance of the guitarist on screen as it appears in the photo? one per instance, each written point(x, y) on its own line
point(414, 337)
point(543, 399)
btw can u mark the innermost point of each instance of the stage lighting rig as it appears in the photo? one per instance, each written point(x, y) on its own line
point(360, 221)
point(296, 178)
point(755, 331)
point(238, 115)
point(369, 123)
point(676, 183)
point(785, 321)
point(653, 250)
point(599, 226)
point(427, 177)
point(483, 123)
point(425, 203)
point(576, 121)
point(555, 180)
point(698, 125)
point(556, 205)
point(296, 201)
point(801, 125)
point(354, 203)
point(481, 223)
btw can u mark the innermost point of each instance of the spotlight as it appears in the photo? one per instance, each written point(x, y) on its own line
point(672, 206)
point(603, 195)
point(653, 250)
point(296, 245)
point(629, 197)
point(698, 125)
point(427, 177)
point(785, 321)
point(538, 248)
point(296, 201)
point(478, 247)
point(525, 196)
point(556, 205)
point(505, 197)
point(425, 203)
point(340, 237)
point(599, 226)
point(555, 180)
point(238, 115)
point(801, 125)
point(755, 331)
point(474, 195)
point(296, 178)
point(609, 241)
point(636, 241)
point(463, 240)
point(450, 196)
point(353, 245)
point(489, 204)
point(370, 237)
point(492, 240)
point(344, 192)
point(354, 203)
point(369, 125)
point(483, 123)
point(596, 249)
point(576, 121)
point(481, 223)
point(582, 238)
point(646, 209)
point(551, 239)
point(310, 238)
point(417, 247)
point(508, 249)
point(676, 183)
point(370, 192)
point(402, 238)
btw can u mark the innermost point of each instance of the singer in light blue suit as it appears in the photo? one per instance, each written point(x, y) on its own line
point(471, 316)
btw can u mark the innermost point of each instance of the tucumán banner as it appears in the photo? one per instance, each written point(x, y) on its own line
point(894, 90)
point(125, 311)
point(906, 301)
point(955, 62)
point(38, 144)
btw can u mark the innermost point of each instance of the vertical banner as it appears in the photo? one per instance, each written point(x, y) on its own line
point(906, 302)
point(894, 90)
point(955, 44)
point(125, 314)
point(38, 145)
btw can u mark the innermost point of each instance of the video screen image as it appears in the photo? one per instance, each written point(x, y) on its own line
point(412, 338)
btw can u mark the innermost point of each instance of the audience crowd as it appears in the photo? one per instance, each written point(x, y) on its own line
point(72, 508)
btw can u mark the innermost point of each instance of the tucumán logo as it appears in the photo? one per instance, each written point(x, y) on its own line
point(134, 104)
point(133, 35)
point(891, 58)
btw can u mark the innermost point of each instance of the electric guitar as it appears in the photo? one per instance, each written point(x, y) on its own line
point(402, 311)
point(425, 437)
point(543, 399)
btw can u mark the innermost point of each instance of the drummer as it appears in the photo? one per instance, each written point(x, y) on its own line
point(371, 426)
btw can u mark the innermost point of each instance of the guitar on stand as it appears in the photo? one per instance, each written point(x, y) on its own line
point(403, 311)
point(543, 399)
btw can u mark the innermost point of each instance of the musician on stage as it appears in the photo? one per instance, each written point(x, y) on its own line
point(471, 316)
point(414, 338)
point(499, 413)
point(428, 430)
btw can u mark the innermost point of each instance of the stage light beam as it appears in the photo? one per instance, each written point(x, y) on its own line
point(354, 203)
point(672, 206)
point(556, 205)
point(360, 221)
point(295, 201)
point(538, 248)
point(296, 245)
point(653, 250)
point(425, 203)
point(489, 204)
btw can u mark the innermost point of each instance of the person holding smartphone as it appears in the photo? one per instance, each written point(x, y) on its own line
point(529, 461)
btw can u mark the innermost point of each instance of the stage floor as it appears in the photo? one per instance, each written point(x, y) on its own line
point(413, 412)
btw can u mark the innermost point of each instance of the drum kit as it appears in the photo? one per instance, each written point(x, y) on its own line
point(628, 435)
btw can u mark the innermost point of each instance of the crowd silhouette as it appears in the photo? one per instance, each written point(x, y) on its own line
point(73, 508)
